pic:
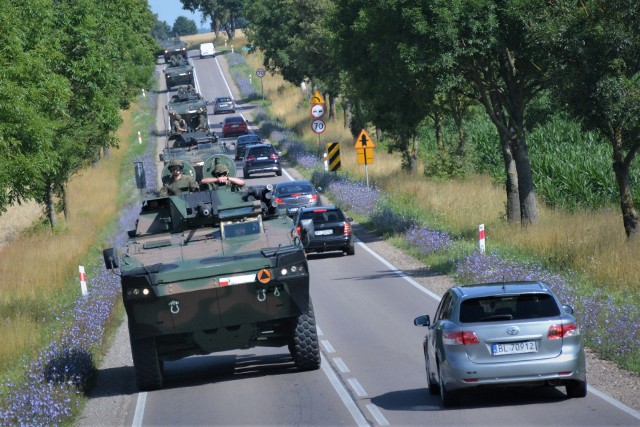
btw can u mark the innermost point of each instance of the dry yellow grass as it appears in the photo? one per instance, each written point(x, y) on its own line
point(593, 243)
point(37, 265)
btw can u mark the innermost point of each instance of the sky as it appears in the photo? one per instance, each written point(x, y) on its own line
point(169, 10)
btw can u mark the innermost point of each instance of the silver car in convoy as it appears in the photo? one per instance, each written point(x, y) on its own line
point(502, 334)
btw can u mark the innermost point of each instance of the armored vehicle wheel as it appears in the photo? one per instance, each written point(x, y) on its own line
point(304, 347)
point(147, 364)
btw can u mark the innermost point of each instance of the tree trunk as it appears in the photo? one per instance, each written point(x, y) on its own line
point(511, 182)
point(65, 202)
point(347, 114)
point(437, 124)
point(50, 206)
point(526, 190)
point(621, 170)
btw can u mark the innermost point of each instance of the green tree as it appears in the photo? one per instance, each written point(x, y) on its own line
point(489, 46)
point(221, 12)
point(597, 78)
point(161, 30)
point(184, 26)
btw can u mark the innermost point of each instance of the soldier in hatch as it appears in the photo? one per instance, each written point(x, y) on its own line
point(178, 182)
point(203, 123)
point(179, 125)
point(221, 179)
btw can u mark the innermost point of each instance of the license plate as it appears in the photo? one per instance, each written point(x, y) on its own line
point(323, 232)
point(262, 158)
point(293, 210)
point(514, 348)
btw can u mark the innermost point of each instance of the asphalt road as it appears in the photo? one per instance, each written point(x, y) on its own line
point(372, 365)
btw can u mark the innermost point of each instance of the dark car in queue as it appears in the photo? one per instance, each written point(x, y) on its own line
point(234, 125)
point(244, 141)
point(261, 158)
point(294, 195)
point(223, 104)
point(325, 229)
point(499, 335)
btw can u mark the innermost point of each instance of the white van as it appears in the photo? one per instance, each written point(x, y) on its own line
point(207, 49)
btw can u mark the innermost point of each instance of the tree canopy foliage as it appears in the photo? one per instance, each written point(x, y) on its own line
point(184, 26)
point(403, 63)
point(64, 82)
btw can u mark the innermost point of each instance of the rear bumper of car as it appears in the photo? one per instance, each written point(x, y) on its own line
point(263, 169)
point(340, 243)
point(460, 373)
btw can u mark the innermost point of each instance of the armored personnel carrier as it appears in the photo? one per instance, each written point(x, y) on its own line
point(178, 72)
point(195, 148)
point(189, 105)
point(214, 271)
point(172, 47)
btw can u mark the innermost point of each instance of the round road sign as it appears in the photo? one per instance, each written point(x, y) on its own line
point(318, 126)
point(260, 72)
point(317, 111)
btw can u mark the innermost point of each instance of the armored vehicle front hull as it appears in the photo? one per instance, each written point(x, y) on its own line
point(202, 273)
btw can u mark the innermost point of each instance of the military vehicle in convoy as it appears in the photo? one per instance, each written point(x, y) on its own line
point(189, 105)
point(214, 271)
point(195, 148)
point(178, 72)
point(172, 47)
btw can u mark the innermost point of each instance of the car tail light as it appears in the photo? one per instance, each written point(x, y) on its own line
point(250, 158)
point(273, 156)
point(563, 330)
point(460, 338)
point(347, 228)
point(279, 200)
point(314, 197)
point(299, 230)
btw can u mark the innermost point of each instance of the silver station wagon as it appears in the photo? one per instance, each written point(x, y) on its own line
point(502, 334)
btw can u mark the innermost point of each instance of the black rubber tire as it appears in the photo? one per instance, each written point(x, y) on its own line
point(576, 389)
point(350, 250)
point(279, 173)
point(147, 365)
point(304, 346)
point(434, 387)
point(447, 397)
point(246, 174)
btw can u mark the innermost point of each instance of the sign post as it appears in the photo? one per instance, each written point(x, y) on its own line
point(317, 111)
point(364, 146)
point(260, 72)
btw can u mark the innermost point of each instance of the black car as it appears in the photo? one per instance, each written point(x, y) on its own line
point(244, 141)
point(325, 228)
point(294, 195)
point(261, 158)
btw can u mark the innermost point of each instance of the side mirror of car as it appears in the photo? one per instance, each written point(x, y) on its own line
point(567, 308)
point(423, 320)
point(349, 219)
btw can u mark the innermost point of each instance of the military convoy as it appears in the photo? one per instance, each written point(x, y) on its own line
point(178, 72)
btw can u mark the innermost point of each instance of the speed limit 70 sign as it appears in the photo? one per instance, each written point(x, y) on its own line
point(318, 126)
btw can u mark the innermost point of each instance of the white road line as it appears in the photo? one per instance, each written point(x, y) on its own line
point(399, 272)
point(319, 331)
point(357, 388)
point(139, 414)
point(327, 346)
point(614, 402)
point(342, 367)
point(375, 413)
point(343, 393)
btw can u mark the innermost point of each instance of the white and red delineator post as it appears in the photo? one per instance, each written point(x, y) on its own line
point(139, 138)
point(481, 238)
point(325, 160)
point(83, 280)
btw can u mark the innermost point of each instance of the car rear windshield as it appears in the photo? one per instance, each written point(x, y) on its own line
point(260, 152)
point(224, 100)
point(292, 189)
point(508, 307)
point(323, 216)
point(234, 120)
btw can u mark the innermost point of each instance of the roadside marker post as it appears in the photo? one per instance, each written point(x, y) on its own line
point(83, 280)
point(481, 241)
point(139, 138)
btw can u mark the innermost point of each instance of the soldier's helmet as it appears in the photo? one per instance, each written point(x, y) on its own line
point(221, 168)
point(176, 164)
point(178, 117)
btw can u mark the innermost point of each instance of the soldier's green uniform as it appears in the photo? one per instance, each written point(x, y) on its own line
point(177, 184)
point(222, 169)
